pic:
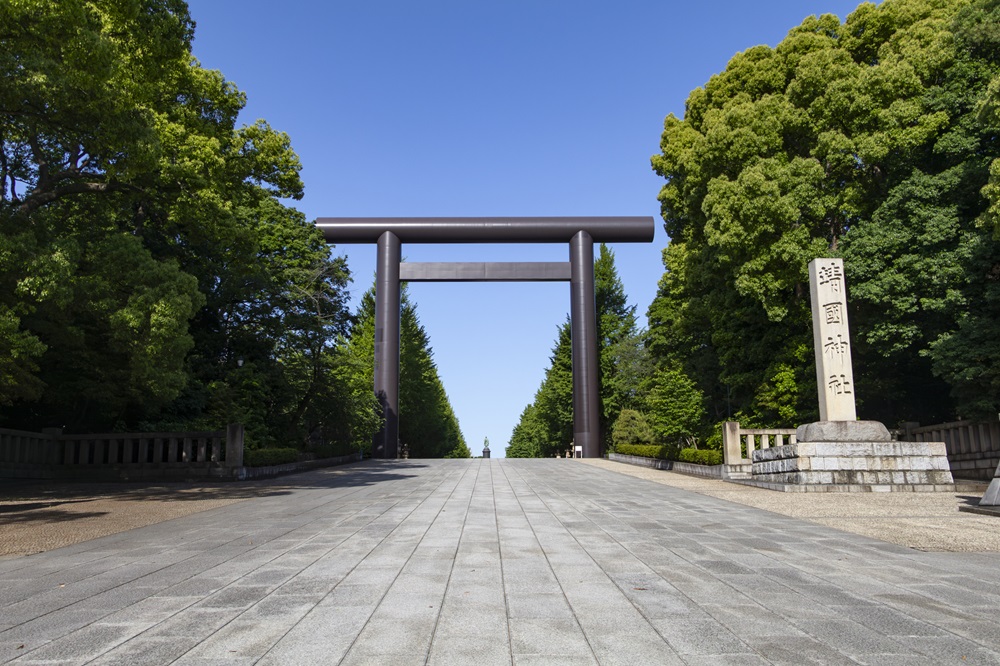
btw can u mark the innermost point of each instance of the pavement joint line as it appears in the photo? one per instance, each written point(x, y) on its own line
point(588, 517)
point(503, 578)
point(236, 580)
point(359, 490)
point(172, 564)
point(916, 592)
point(763, 608)
point(124, 583)
point(396, 577)
point(807, 591)
point(562, 588)
point(176, 563)
point(454, 560)
point(649, 621)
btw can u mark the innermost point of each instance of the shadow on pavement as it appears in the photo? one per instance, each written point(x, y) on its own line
point(36, 516)
point(29, 495)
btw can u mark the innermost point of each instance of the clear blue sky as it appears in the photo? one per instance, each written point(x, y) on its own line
point(477, 108)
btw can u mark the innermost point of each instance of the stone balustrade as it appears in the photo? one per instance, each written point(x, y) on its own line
point(738, 445)
point(973, 446)
point(51, 454)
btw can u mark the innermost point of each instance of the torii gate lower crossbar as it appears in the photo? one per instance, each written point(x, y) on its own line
point(580, 232)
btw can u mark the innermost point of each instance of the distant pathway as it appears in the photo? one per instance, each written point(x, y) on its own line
point(494, 562)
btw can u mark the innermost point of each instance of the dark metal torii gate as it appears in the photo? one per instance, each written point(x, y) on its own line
point(389, 233)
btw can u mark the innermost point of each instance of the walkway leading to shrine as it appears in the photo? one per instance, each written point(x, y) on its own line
point(495, 562)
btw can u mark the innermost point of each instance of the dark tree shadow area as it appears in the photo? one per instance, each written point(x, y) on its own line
point(18, 495)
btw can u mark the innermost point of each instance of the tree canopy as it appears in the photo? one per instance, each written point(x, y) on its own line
point(874, 140)
point(151, 274)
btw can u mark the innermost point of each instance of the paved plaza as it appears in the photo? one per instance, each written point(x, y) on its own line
point(494, 562)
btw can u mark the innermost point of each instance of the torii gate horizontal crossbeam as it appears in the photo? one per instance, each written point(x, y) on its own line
point(456, 271)
point(634, 229)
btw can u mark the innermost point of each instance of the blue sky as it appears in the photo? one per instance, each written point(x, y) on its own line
point(476, 108)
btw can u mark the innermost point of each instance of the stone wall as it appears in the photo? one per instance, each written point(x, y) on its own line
point(708, 471)
point(887, 465)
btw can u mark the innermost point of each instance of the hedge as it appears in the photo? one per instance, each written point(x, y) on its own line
point(696, 456)
point(643, 450)
point(266, 457)
point(700, 456)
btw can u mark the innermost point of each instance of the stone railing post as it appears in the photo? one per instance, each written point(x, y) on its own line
point(234, 445)
point(992, 495)
point(732, 451)
point(908, 428)
point(53, 451)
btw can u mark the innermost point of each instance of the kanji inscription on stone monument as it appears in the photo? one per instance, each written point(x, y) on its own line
point(834, 373)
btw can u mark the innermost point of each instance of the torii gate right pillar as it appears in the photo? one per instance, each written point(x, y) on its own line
point(583, 329)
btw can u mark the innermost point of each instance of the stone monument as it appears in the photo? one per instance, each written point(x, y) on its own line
point(834, 370)
point(838, 451)
point(991, 497)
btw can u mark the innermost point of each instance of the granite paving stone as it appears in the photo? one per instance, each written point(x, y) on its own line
point(495, 562)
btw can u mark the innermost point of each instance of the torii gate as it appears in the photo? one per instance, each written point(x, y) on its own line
point(389, 233)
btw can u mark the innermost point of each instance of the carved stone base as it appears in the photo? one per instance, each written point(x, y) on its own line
point(876, 465)
point(842, 431)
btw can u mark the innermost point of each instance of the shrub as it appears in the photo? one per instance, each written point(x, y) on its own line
point(675, 408)
point(265, 457)
point(334, 449)
point(644, 450)
point(700, 456)
point(631, 427)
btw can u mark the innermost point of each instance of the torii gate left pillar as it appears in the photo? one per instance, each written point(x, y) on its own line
point(581, 233)
point(387, 296)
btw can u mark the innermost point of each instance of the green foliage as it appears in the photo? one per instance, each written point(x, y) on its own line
point(689, 455)
point(427, 422)
point(631, 427)
point(267, 457)
point(876, 141)
point(529, 433)
point(546, 429)
point(620, 348)
point(700, 456)
point(460, 451)
point(645, 450)
point(334, 449)
point(150, 274)
point(674, 406)
point(546, 425)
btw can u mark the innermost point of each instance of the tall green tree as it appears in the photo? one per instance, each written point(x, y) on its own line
point(427, 421)
point(617, 341)
point(151, 274)
point(529, 433)
point(546, 426)
point(865, 140)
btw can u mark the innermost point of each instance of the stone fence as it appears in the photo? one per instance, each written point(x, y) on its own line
point(738, 445)
point(973, 446)
point(122, 456)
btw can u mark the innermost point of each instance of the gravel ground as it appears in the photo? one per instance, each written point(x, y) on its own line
point(38, 516)
point(925, 521)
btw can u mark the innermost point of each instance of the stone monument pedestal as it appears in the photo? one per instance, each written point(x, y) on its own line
point(854, 456)
point(839, 452)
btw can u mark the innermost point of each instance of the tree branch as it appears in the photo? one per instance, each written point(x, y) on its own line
point(35, 201)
